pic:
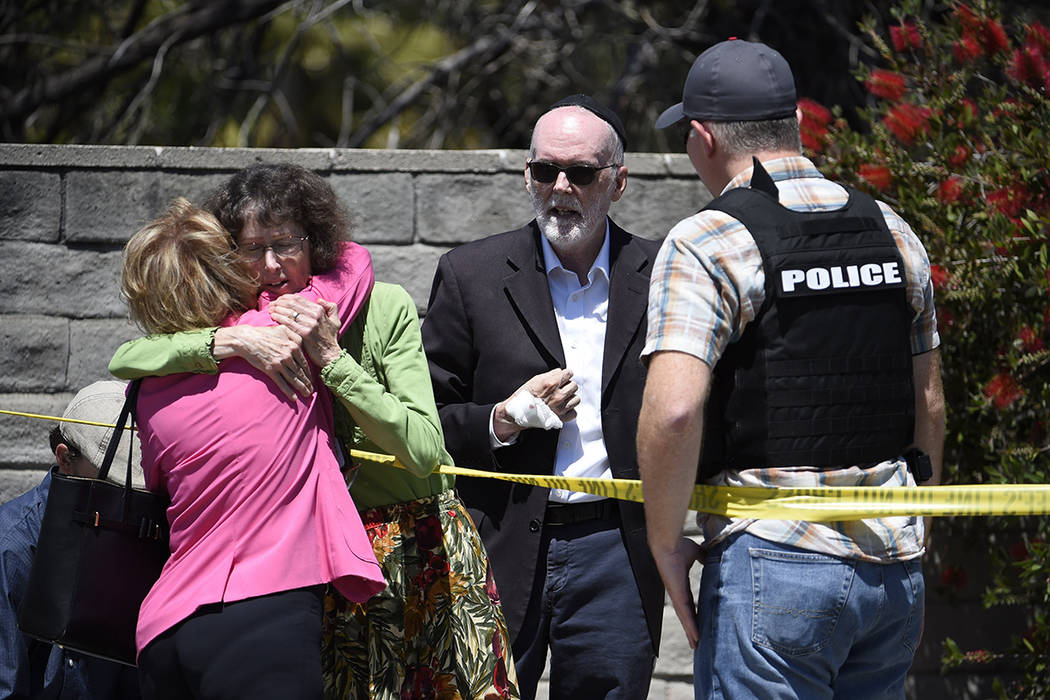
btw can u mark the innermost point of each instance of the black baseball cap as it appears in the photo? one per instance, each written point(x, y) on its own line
point(735, 80)
point(598, 109)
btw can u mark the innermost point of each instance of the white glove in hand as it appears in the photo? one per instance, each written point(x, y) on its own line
point(530, 412)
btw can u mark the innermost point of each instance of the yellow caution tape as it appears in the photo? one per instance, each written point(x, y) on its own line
point(57, 418)
point(823, 504)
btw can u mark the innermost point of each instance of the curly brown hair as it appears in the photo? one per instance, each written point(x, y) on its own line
point(274, 193)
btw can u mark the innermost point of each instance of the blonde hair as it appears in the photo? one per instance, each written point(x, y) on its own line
point(181, 272)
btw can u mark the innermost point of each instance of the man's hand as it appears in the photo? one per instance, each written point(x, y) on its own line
point(273, 350)
point(555, 388)
point(317, 324)
point(674, 566)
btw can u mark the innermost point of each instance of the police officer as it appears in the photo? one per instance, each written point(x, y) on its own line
point(792, 328)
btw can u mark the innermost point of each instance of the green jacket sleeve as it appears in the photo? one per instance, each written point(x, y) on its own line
point(159, 355)
point(395, 409)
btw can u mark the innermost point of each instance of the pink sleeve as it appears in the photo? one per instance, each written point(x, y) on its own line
point(347, 285)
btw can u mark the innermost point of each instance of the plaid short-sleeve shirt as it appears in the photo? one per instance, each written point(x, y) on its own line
point(708, 284)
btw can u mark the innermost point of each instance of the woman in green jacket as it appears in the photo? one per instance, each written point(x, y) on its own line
point(437, 629)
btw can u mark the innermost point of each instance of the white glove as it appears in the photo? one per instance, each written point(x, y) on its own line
point(530, 412)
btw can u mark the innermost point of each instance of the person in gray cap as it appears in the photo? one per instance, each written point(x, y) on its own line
point(792, 342)
point(533, 338)
point(30, 668)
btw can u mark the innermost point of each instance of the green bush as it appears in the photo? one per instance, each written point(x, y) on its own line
point(955, 138)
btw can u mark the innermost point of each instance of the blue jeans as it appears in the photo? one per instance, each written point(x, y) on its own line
point(777, 621)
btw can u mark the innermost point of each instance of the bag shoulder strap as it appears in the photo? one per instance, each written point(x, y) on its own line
point(118, 430)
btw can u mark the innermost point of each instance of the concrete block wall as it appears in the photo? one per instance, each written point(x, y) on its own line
point(66, 212)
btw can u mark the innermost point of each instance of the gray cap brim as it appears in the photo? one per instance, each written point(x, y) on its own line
point(670, 116)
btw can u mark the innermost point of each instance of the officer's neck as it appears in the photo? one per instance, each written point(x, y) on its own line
point(730, 166)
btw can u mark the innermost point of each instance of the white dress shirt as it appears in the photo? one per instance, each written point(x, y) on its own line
point(582, 313)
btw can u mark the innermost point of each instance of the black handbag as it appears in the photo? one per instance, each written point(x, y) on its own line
point(101, 549)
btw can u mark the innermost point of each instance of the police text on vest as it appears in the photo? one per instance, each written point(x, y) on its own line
point(819, 278)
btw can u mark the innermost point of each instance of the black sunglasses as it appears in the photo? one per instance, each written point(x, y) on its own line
point(580, 175)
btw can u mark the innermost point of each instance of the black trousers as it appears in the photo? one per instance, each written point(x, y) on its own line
point(259, 648)
point(586, 611)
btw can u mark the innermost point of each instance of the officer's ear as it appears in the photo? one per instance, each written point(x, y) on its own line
point(706, 136)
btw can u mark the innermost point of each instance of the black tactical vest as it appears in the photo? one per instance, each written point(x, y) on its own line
point(822, 377)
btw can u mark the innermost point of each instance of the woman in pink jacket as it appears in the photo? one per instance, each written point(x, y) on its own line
point(260, 517)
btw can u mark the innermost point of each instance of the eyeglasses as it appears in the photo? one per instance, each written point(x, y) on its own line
point(281, 247)
point(580, 175)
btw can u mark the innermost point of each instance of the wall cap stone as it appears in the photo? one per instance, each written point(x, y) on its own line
point(58, 156)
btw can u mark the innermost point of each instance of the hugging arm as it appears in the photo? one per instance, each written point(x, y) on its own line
point(274, 350)
point(397, 411)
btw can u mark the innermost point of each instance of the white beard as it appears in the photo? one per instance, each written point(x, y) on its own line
point(568, 227)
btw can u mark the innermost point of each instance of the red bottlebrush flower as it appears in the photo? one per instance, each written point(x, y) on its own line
point(814, 111)
point(907, 122)
point(905, 36)
point(1002, 390)
point(886, 83)
point(968, 19)
point(1027, 66)
point(959, 156)
point(814, 126)
point(993, 37)
point(877, 175)
point(1010, 200)
point(939, 276)
point(979, 35)
point(1030, 340)
point(949, 190)
point(966, 49)
point(812, 137)
point(1038, 35)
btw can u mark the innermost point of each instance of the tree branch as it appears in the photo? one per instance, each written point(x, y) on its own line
point(484, 46)
point(187, 22)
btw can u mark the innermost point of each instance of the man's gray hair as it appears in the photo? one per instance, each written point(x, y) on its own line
point(749, 137)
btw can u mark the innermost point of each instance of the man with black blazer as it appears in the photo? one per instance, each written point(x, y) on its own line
point(533, 338)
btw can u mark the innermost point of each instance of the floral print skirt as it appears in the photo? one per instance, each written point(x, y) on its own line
point(437, 630)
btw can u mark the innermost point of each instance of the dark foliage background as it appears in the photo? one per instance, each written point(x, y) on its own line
point(388, 73)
